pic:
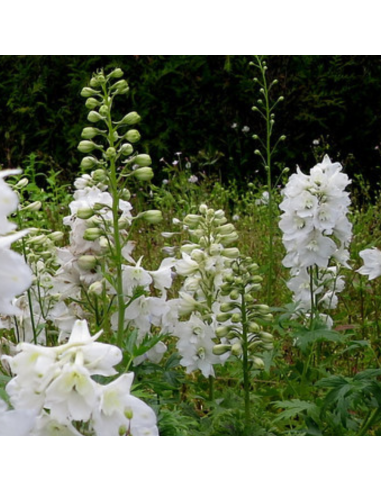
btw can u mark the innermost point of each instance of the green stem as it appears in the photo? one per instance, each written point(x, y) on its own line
point(369, 421)
point(245, 364)
point(113, 181)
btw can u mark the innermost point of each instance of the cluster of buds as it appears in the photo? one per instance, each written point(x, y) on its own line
point(205, 259)
point(115, 141)
point(241, 319)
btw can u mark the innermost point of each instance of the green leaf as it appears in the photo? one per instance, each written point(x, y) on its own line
point(293, 408)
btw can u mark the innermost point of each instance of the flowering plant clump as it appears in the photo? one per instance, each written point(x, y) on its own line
point(56, 384)
point(15, 275)
point(205, 259)
point(316, 232)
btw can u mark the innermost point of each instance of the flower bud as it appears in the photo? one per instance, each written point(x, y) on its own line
point(237, 349)
point(32, 207)
point(254, 327)
point(116, 74)
point(262, 309)
point(230, 252)
point(133, 136)
point(142, 160)
point(123, 223)
point(192, 220)
point(88, 162)
point(121, 87)
point(229, 238)
point(96, 288)
point(225, 229)
point(151, 216)
point(94, 117)
point(126, 149)
point(89, 132)
point(92, 234)
point(221, 349)
point(88, 92)
point(110, 153)
point(258, 363)
point(87, 146)
point(56, 236)
point(236, 318)
point(87, 262)
point(234, 295)
point(143, 174)
point(130, 119)
point(21, 184)
point(92, 103)
point(266, 337)
point(37, 240)
point(85, 213)
point(104, 111)
point(99, 175)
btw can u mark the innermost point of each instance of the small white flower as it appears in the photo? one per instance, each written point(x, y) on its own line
point(372, 263)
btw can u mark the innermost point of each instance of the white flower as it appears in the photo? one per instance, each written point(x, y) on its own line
point(15, 422)
point(372, 263)
point(120, 413)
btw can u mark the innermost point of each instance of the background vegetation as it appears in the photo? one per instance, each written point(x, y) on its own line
point(191, 103)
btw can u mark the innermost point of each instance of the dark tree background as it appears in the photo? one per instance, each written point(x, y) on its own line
point(198, 103)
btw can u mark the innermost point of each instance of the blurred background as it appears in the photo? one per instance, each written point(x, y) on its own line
point(199, 105)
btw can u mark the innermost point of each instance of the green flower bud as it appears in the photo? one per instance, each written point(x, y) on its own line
point(92, 103)
point(56, 236)
point(192, 220)
point(99, 175)
point(88, 162)
point(121, 87)
point(142, 160)
point(123, 223)
point(89, 132)
point(262, 308)
point(94, 117)
point(225, 229)
point(222, 331)
point(229, 238)
point(96, 288)
point(88, 92)
point(126, 149)
point(143, 174)
point(151, 216)
point(203, 209)
point(234, 295)
point(87, 146)
point(94, 221)
point(236, 318)
point(21, 184)
point(133, 136)
point(225, 307)
point(266, 337)
point(110, 153)
point(221, 349)
point(267, 346)
point(92, 234)
point(32, 207)
point(130, 119)
point(87, 262)
point(258, 363)
point(104, 110)
point(85, 213)
point(230, 252)
point(254, 327)
point(249, 299)
point(237, 349)
point(116, 74)
point(37, 240)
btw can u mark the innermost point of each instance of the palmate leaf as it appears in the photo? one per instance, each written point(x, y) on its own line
point(293, 408)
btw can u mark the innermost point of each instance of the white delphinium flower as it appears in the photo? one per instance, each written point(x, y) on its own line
point(205, 259)
point(56, 385)
point(15, 422)
point(316, 232)
point(15, 275)
point(120, 413)
point(372, 263)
